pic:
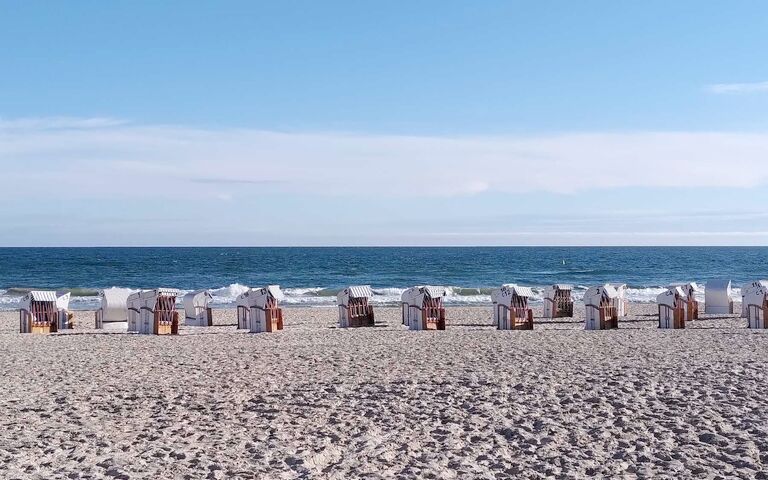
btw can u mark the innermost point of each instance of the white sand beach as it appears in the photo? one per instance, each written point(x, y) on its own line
point(315, 401)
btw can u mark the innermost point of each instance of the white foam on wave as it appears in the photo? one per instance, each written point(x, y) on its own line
point(302, 291)
point(227, 295)
point(644, 295)
point(388, 292)
point(84, 303)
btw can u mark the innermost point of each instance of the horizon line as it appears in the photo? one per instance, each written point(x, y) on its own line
point(381, 246)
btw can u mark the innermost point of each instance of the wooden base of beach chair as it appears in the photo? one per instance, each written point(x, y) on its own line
point(692, 310)
point(671, 318)
point(42, 329)
point(361, 317)
point(164, 327)
point(609, 319)
point(515, 318)
point(433, 318)
point(274, 319)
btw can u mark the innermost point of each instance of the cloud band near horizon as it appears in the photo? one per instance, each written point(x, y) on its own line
point(107, 157)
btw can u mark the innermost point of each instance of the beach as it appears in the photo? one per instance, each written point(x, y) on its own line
point(384, 402)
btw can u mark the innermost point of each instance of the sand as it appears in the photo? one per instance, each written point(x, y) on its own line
point(315, 401)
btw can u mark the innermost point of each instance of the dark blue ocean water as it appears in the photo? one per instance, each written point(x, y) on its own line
point(313, 275)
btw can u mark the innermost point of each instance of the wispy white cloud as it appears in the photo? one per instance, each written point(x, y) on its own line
point(622, 233)
point(736, 88)
point(99, 158)
point(54, 123)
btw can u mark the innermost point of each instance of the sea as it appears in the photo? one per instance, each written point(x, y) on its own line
point(312, 276)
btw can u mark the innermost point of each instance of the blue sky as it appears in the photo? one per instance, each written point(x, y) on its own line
point(379, 123)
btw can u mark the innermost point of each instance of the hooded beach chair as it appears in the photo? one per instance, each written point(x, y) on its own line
point(510, 307)
point(422, 308)
point(197, 310)
point(153, 312)
point(717, 297)
point(557, 301)
point(42, 311)
point(600, 304)
point(354, 307)
point(259, 310)
point(113, 309)
point(756, 302)
point(673, 305)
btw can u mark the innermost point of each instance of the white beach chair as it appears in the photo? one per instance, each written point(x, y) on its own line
point(510, 307)
point(690, 290)
point(756, 302)
point(422, 308)
point(620, 302)
point(717, 297)
point(197, 312)
point(673, 308)
point(354, 307)
point(258, 309)
point(113, 311)
point(42, 311)
point(601, 309)
point(557, 301)
point(745, 292)
point(153, 312)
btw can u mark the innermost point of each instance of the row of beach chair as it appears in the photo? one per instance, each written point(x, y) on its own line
point(258, 309)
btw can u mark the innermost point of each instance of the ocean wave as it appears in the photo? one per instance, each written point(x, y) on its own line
point(388, 292)
point(76, 291)
point(227, 295)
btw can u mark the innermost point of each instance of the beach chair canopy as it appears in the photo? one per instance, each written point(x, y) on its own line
point(550, 291)
point(671, 295)
point(595, 295)
point(416, 295)
point(752, 285)
point(242, 299)
point(258, 297)
point(508, 292)
point(756, 294)
point(352, 292)
point(145, 296)
point(38, 296)
point(689, 289)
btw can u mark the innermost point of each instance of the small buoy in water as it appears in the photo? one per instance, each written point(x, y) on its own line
point(563, 262)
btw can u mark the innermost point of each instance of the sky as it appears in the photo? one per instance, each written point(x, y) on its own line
point(383, 123)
